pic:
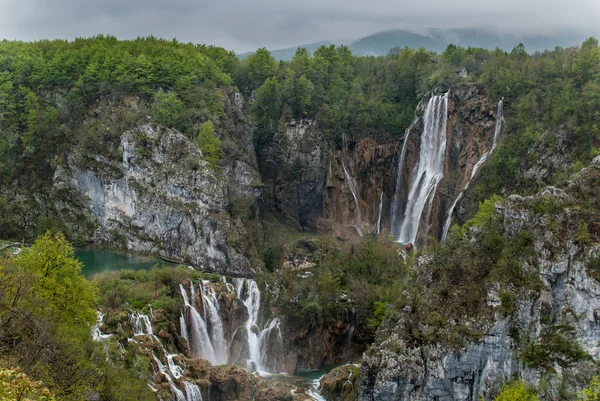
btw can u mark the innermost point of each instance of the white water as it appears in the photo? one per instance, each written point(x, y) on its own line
point(354, 190)
point(399, 174)
point(176, 391)
point(265, 346)
point(482, 159)
point(197, 333)
point(217, 336)
point(314, 391)
point(97, 334)
point(192, 392)
point(140, 323)
point(379, 214)
point(430, 168)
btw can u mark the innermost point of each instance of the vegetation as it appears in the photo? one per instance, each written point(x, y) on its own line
point(592, 392)
point(516, 391)
point(46, 312)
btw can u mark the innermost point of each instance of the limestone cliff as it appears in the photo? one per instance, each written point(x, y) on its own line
point(563, 227)
point(160, 196)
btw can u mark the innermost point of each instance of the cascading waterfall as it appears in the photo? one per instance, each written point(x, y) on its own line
point(354, 191)
point(205, 335)
point(482, 159)
point(140, 323)
point(265, 346)
point(97, 334)
point(192, 392)
point(396, 211)
point(197, 334)
point(217, 336)
point(379, 214)
point(430, 168)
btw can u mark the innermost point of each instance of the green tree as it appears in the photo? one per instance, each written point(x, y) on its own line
point(259, 66)
point(168, 109)
point(210, 144)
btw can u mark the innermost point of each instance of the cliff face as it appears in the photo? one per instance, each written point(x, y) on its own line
point(294, 171)
point(161, 197)
point(564, 258)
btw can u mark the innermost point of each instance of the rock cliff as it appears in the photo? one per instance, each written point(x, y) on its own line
point(520, 340)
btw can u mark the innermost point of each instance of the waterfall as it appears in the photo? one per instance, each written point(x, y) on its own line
point(430, 168)
point(217, 336)
point(179, 396)
point(482, 159)
point(140, 323)
point(175, 369)
point(354, 190)
point(192, 392)
point(398, 189)
point(197, 333)
point(379, 214)
point(265, 346)
point(271, 347)
point(97, 334)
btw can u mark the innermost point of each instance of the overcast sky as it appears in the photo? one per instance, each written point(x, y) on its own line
point(244, 25)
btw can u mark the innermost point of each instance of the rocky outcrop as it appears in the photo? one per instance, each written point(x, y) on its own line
point(309, 348)
point(163, 199)
point(341, 384)
point(565, 302)
point(294, 170)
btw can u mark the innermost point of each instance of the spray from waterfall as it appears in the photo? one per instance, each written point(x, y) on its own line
point(429, 171)
point(482, 159)
point(354, 191)
point(379, 214)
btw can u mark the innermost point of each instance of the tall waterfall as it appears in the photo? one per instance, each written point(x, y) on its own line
point(482, 159)
point(396, 204)
point(354, 191)
point(429, 171)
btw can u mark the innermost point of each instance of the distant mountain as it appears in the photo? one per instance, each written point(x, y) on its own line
point(437, 39)
point(287, 53)
point(380, 43)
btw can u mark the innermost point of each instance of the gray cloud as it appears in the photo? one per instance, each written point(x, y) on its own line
point(244, 25)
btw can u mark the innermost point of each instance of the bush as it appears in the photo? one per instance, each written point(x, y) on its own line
point(516, 391)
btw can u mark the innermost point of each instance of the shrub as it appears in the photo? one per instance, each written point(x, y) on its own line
point(516, 391)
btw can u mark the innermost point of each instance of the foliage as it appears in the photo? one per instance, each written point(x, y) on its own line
point(210, 144)
point(555, 346)
point(46, 312)
point(591, 392)
point(516, 391)
point(16, 386)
